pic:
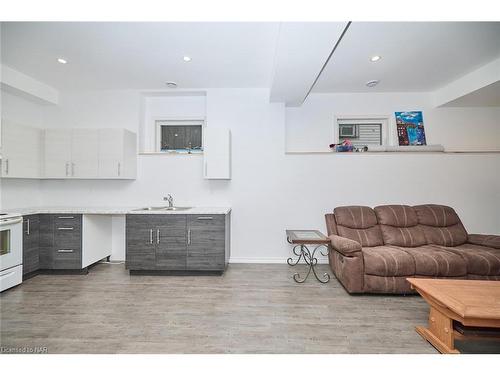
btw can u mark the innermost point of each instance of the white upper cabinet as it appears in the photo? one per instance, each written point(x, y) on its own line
point(90, 154)
point(21, 151)
point(84, 153)
point(57, 161)
point(217, 153)
point(117, 154)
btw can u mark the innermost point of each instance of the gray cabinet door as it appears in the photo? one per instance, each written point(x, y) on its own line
point(206, 243)
point(46, 240)
point(31, 232)
point(170, 238)
point(140, 242)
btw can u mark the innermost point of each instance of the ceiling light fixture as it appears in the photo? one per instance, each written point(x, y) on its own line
point(62, 61)
point(186, 58)
point(375, 58)
point(372, 83)
point(171, 84)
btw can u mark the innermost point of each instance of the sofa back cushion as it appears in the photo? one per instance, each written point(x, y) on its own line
point(441, 225)
point(399, 226)
point(358, 223)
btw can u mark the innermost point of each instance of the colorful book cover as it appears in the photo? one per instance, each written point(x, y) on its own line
point(410, 127)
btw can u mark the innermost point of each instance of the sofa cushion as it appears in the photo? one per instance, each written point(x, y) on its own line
point(480, 260)
point(359, 217)
point(396, 215)
point(388, 261)
point(399, 226)
point(435, 261)
point(441, 225)
point(358, 223)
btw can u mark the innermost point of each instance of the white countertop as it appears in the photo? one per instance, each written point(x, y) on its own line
point(111, 211)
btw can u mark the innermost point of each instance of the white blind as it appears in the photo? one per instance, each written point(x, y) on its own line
point(365, 134)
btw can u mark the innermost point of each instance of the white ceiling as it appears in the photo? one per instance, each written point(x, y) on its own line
point(416, 56)
point(142, 55)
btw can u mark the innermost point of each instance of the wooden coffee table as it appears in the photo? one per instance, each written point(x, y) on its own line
point(472, 303)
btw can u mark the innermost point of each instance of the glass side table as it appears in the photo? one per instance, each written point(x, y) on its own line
point(302, 238)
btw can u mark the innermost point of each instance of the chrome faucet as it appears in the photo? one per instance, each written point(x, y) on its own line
point(170, 200)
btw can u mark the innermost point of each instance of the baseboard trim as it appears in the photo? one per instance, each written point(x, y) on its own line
point(269, 260)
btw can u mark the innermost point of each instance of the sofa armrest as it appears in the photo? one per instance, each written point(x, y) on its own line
point(345, 246)
point(484, 240)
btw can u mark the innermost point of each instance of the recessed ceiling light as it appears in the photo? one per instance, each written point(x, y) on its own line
point(171, 84)
point(372, 83)
point(375, 58)
point(62, 61)
point(186, 58)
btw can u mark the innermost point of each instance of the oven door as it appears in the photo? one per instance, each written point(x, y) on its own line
point(11, 243)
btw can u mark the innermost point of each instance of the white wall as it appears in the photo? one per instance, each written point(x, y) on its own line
point(16, 192)
point(192, 107)
point(310, 127)
point(271, 191)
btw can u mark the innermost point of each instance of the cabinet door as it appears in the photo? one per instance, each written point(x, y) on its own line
point(21, 151)
point(31, 231)
point(170, 242)
point(84, 153)
point(57, 153)
point(217, 153)
point(111, 144)
point(140, 242)
point(206, 243)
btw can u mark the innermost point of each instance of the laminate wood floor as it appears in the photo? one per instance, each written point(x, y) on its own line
point(252, 308)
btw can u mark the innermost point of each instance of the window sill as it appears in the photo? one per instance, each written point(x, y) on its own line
point(393, 152)
point(172, 153)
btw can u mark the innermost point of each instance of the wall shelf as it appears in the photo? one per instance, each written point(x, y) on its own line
point(393, 152)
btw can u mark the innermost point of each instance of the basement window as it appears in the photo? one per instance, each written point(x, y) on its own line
point(179, 136)
point(362, 131)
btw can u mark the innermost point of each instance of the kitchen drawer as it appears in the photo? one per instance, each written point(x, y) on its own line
point(11, 277)
point(67, 220)
point(66, 258)
point(209, 222)
point(68, 236)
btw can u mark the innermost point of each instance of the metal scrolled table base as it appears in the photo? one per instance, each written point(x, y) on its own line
point(310, 260)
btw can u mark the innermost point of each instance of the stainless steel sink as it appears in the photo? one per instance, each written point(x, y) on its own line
point(162, 208)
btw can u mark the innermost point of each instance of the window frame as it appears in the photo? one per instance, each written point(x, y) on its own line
point(363, 119)
point(161, 121)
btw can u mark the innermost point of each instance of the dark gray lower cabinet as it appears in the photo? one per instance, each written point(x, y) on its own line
point(206, 242)
point(54, 242)
point(173, 242)
point(31, 235)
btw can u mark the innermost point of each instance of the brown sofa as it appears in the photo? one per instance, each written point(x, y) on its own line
point(375, 250)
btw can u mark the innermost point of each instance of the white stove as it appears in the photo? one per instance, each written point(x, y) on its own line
point(11, 250)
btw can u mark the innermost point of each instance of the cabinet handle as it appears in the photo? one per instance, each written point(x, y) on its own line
point(150, 236)
point(65, 228)
point(119, 169)
point(189, 236)
point(28, 227)
point(204, 218)
point(6, 166)
point(72, 169)
point(157, 236)
point(65, 251)
point(65, 217)
point(67, 169)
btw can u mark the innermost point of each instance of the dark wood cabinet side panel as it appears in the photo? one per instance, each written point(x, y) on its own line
point(46, 240)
